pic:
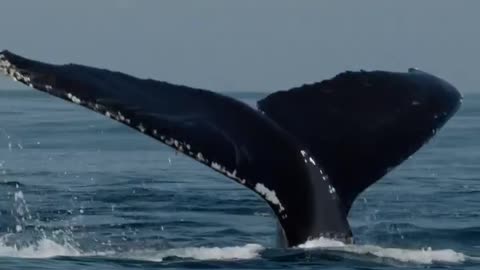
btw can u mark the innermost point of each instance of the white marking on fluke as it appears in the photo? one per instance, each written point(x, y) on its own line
point(10, 70)
point(73, 98)
point(232, 174)
point(218, 167)
point(200, 157)
point(169, 141)
point(120, 117)
point(269, 195)
point(143, 129)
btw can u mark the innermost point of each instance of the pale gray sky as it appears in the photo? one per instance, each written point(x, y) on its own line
point(249, 45)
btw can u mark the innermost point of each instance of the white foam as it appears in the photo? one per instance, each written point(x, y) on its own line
point(321, 242)
point(45, 248)
point(423, 256)
point(248, 251)
point(419, 256)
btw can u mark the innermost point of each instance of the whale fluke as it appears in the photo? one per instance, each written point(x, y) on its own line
point(307, 153)
point(360, 125)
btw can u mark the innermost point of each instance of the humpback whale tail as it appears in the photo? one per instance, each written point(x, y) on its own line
point(309, 152)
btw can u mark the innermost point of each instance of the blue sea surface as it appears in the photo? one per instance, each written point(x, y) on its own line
point(80, 191)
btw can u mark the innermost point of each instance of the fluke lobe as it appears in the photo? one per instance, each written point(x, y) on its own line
point(308, 151)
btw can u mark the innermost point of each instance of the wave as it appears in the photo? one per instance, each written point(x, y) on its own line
point(44, 248)
point(47, 248)
point(61, 244)
point(248, 251)
point(416, 256)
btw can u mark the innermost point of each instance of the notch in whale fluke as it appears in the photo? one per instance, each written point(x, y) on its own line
point(360, 125)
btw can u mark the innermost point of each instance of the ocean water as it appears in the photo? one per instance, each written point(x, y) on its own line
point(80, 191)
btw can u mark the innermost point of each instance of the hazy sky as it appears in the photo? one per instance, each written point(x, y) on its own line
point(249, 45)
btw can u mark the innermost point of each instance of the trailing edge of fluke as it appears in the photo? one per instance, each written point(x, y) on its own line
point(308, 151)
